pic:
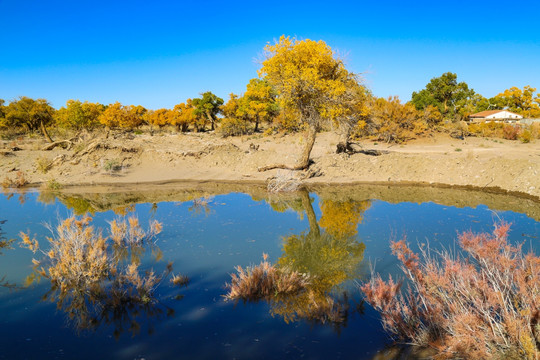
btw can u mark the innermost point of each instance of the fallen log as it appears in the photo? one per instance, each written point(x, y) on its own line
point(66, 144)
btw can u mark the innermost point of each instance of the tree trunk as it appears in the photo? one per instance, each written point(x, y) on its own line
point(211, 120)
point(44, 131)
point(344, 145)
point(304, 160)
point(312, 218)
point(256, 124)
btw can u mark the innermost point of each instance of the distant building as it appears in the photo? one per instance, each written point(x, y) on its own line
point(495, 115)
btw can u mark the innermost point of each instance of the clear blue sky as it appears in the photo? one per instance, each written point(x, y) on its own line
point(159, 53)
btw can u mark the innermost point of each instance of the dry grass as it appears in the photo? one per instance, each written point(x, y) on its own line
point(179, 280)
point(264, 281)
point(17, 182)
point(284, 181)
point(92, 278)
point(485, 305)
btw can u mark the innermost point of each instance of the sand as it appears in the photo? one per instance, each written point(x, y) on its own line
point(488, 164)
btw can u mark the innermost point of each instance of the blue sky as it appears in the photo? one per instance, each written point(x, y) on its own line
point(159, 53)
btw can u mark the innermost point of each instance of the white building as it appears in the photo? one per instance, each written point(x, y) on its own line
point(495, 115)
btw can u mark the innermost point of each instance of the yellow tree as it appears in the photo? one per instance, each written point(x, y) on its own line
point(310, 79)
point(159, 117)
point(29, 113)
point(351, 110)
point(394, 121)
point(230, 108)
point(117, 115)
point(183, 115)
point(523, 102)
point(329, 258)
point(78, 115)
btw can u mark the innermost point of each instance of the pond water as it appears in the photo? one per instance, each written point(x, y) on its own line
point(335, 234)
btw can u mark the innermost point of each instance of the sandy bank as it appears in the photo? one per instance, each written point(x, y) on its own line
point(130, 159)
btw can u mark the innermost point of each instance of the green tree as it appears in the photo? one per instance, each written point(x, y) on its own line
point(443, 92)
point(310, 80)
point(208, 106)
point(30, 114)
point(258, 103)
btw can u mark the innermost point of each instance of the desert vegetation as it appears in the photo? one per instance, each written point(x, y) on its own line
point(96, 279)
point(293, 93)
point(480, 304)
point(304, 283)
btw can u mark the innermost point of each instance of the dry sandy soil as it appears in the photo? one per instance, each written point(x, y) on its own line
point(125, 158)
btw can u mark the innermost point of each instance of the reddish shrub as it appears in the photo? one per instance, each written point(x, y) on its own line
point(511, 132)
point(484, 304)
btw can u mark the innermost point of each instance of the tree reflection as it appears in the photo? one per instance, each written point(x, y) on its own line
point(96, 280)
point(329, 257)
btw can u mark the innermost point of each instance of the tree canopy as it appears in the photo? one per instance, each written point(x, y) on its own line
point(29, 113)
point(310, 80)
point(79, 115)
point(443, 92)
point(524, 102)
point(208, 106)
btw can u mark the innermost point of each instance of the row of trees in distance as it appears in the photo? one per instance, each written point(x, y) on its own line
point(302, 85)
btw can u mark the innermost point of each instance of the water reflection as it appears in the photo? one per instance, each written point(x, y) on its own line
point(329, 256)
point(5, 244)
point(96, 280)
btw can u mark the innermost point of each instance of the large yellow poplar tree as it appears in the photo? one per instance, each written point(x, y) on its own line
point(310, 80)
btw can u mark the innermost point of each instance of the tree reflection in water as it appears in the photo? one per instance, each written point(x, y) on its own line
point(329, 257)
point(96, 280)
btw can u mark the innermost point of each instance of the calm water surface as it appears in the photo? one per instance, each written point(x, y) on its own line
point(336, 236)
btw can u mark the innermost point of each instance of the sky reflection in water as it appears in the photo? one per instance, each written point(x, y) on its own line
point(334, 236)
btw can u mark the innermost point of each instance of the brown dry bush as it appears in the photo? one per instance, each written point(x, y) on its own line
point(264, 281)
point(511, 132)
point(95, 278)
point(17, 182)
point(482, 305)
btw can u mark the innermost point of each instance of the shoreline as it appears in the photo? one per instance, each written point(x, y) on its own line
point(479, 164)
point(310, 186)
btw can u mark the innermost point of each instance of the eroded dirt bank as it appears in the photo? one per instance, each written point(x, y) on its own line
point(134, 159)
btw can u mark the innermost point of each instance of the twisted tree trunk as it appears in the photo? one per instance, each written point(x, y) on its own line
point(44, 131)
point(303, 164)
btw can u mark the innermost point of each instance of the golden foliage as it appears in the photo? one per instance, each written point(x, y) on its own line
point(522, 101)
point(183, 115)
point(119, 116)
point(394, 121)
point(158, 117)
point(341, 218)
point(306, 75)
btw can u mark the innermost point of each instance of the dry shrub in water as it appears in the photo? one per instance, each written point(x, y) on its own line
point(17, 182)
point(91, 279)
point(264, 281)
point(482, 306)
